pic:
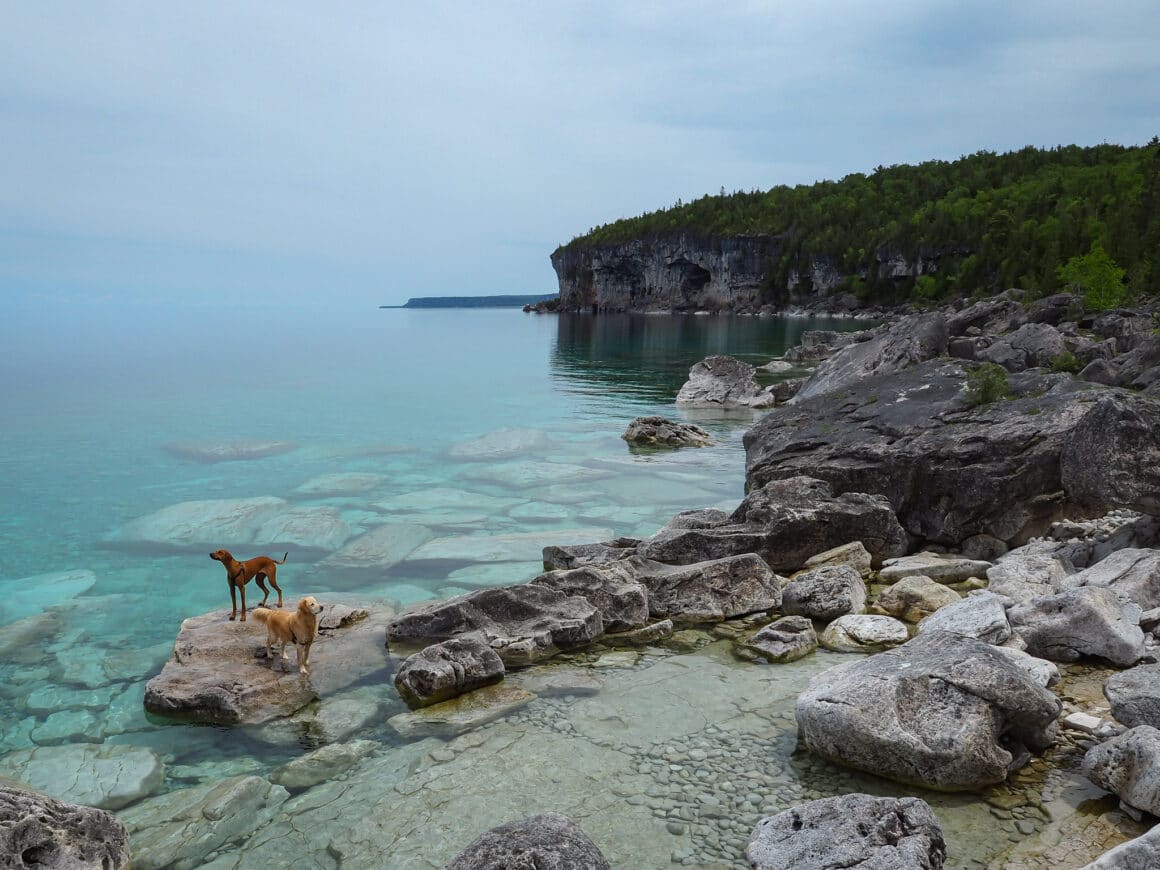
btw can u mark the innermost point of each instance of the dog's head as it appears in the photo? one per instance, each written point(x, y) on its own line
point(222, 556)
point(310, 604)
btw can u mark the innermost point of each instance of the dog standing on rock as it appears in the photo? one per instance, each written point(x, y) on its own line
point(298, 628)
point(238, 574)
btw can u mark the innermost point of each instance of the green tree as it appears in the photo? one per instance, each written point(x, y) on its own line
point(1095, 275)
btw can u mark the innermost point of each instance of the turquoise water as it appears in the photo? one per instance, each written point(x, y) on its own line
point(95, 400)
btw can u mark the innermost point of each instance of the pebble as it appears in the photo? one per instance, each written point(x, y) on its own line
point(675, 828)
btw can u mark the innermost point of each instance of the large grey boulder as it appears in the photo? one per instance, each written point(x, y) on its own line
point(1135, 695)
point(621, 599)
point(952, 471)
point(852, 554)
point(709, 591)
point(523, 623)
point(444, 670)
point(561, 557)
point(817, 344)
point(785, 523)
point(941, 711)
point(662, 432)
point(219, 673)
point(914, 598)
point(42, 832)
point(723, 382)
point(863, 634)
point(937, 566)
point(1089, 621)
point(825, 593)
point(786, 640)
point(894, 348)
point(980, 615)
point(1019, 577)
point(548, 841)
point(849, 831)
point(1134, 574)
point(1137, 854)
point(1128, 765)
point(1033, 344)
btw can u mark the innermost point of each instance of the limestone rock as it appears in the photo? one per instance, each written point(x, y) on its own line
point(825, 593)
point(523, 623)
point(785, 523)
point(40, 831)
point(1134, 574)
point(620, 598)
point(446, 669)
point(30, 596)
point(305, 527)
point(914, 598)
point(980, 615)
point(723, 382)
point(323, 764)
point(786, 640)
point(560, 557)
point(661, 432)
point(859, 633)
point(462, 713)
point(941, 711)
point(107, 776)
point(180, 828)
point(852, 830)
point(1019, 577)
point(549, 841)
point(818, 344)
point(209, 524)
point(1043, 672)
point(1089, 621)
point(229, 451)
point(1128, 765)
point(936, 566)
point(853, 554)
point(708, 591)
point(1137, 854)
point(1135, 695)
point(380, 548)
point(500, 444)
point(1101, 460)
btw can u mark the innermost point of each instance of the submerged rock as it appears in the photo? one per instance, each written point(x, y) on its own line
point(229, 451)
point(323, 764)
point(500, 444)
point(379, 548)
point(852, 830)
point(785, 523)
point(30, 596)
point(941, 711)
point(443, 670)
point(40, 831)
point(723, 382)
point(661, 432)
point(209, 524)
point(107, 776)
point(550, 841)
point(460, 714)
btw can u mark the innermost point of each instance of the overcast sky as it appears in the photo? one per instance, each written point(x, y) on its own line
point(367, 152)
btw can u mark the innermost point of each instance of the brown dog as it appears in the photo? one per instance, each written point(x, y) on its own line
point(298, 628)
point(238, 574)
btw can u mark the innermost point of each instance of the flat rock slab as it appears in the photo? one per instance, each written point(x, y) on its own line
point(379, 548)
point(786, 640)
point(853, 830)
point(229, 451)
point(219, 673)
point(49, 833)
point(97, 775)
point(208, 524)
point(29, 596)
point(461, 714)
point(182, 827)
point(515, 547)
point(309, 528)
point(940, 568)
point(323, 764)
point(549, 841)
point(341, 483)
point(500, 444)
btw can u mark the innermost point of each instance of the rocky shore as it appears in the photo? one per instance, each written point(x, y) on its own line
point(947, 600)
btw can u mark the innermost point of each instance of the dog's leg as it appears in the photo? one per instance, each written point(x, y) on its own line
point(304, 658)
point(242, 586)
point(260, 579)
point(285, 659)
point(234, 599)
point(274, 582)
point(269, 643)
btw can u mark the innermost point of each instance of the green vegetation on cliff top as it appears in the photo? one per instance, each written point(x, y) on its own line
point(988, 220)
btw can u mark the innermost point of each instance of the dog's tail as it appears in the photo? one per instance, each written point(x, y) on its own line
point(284, 557)
point(262, 614)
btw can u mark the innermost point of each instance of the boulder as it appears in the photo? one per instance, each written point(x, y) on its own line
point(463, 713)
point(549, 841)
point(108, 776)
point(784, 523)
point(661, 432)
point(825, 593)
point(851, 830)
point(817, 344)
point(1137, 854)
point(852, 554)
point(1135, 695)
point(1128, 765)
point(786, 640)
point(937, 566)
point(559, 557)
point(219, 672)
point(446, 669)
point(980, 615)
point(893, 348)
point(1132, 574)
point(613, 589)
point(858, 634)
point(1019, 577)
point(952, 471)
point(941, 711)
point(1090, 621)
point(914, 598)
point(40, 831)
point(723, 382)
point(180, 828)
point(709, 591)
point(523, 623)
point(1043, 672)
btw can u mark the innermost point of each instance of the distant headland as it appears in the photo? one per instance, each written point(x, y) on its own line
point(509, 301)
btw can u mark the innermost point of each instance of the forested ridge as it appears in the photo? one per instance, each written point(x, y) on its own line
point(983, 222)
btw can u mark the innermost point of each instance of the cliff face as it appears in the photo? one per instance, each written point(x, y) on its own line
point(685, 272)
point(677, 273)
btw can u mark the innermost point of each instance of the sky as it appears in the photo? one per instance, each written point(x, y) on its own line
point(361, 153)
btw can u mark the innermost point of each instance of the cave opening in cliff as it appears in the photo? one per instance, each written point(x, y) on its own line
point(694, 278)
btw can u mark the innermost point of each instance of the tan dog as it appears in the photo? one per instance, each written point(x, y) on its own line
point(298, 628)
point(238, 574)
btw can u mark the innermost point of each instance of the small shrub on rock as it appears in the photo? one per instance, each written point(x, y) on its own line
point(986, 383)
point(1065, 362)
